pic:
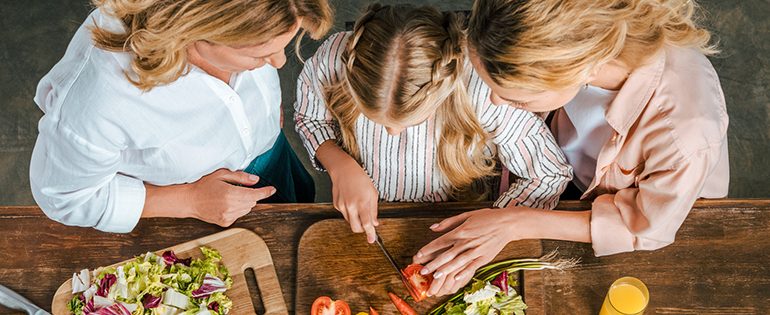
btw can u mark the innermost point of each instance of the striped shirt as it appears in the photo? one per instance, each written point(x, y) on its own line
point(405, 167)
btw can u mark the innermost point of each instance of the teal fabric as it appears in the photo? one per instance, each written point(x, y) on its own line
point(279, 167)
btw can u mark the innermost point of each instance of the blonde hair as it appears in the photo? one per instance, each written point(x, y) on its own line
point(554, 44)
point(159, 31)
point(403, 62)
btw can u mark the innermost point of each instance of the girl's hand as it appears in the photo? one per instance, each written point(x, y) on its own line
point(476, 237)
point(355, 196)
point(220, 197)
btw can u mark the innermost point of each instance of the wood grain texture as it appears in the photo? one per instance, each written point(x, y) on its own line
point(241, 249)
point(36, 254)
point(334, 262)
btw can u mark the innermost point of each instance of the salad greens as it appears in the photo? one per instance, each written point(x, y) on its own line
point(155, 285)
point(492, 290)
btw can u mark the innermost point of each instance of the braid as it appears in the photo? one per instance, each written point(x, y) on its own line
point(349, 57)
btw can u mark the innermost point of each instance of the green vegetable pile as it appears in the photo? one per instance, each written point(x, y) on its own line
point(155, 285)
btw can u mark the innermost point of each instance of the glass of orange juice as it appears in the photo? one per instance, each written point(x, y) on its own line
point(626, 296)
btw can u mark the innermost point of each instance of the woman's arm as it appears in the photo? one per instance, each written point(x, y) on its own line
point(474, 238)
point(353, 192)
point(220, 198)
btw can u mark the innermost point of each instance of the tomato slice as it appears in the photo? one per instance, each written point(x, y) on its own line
point(419, 283)
point(324, 305)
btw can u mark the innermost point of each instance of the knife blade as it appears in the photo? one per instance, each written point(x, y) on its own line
point(394, 264)
point(13, 300)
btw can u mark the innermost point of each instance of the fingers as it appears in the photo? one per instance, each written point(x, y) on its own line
point(257, 194)
point(367, 223)
point(443, 259)
point(458, 263)
point(467, 273)
point(450, 223)
point(433, 249)
point(237, 178)
point(355, 220)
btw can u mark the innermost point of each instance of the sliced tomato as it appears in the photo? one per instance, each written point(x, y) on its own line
point(324, 305)
point(419, 283)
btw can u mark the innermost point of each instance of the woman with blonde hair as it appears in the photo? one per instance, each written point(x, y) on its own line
point(634, 104)
point(393, 111)
point(157, 106)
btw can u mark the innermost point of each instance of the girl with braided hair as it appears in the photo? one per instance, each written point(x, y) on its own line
point(171, 109)
point(394, 111)
point(635, 105)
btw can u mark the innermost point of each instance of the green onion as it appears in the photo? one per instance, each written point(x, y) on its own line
point(491, 271)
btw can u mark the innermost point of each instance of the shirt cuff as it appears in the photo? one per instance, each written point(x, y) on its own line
point(126, 208)
point(609, 234)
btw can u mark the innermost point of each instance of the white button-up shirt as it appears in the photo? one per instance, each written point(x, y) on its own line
point(101, 137)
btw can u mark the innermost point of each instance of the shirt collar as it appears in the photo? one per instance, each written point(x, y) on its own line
point(635, 94)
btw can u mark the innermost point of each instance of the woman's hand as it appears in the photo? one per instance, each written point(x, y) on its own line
point(353, 192)
point(354, 195)
point(221, 197)
point(476, 237)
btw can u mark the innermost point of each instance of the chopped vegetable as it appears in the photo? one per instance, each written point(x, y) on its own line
point(105, 283)
point(401, 305)
point(157, 285)
point(176, 299)
point(210, 285)
point(372, 311)
point(324, 305)
point(170, 259)
point(80, 282)
point(502, 281)
point(418, 284)
point(150, 301)
point(492, 290)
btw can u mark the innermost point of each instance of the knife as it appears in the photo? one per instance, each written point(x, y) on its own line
point(394, 264)
point(15, 301)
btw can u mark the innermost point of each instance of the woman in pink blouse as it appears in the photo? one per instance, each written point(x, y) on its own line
point(634, 104)
point(394, 111)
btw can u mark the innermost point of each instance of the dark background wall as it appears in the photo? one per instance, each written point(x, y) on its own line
point(34, 35)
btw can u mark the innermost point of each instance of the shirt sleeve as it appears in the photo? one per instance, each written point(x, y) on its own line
point(314, 122)
point(647, 217)
point(534, 157)
point(77, 183)
point(525, 147)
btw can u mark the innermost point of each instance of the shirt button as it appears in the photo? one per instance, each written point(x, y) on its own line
point(232, 99)
point(245, 130)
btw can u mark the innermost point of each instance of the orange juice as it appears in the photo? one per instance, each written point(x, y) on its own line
point(626, 296)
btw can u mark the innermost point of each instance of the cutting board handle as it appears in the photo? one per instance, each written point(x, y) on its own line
point(264, 272)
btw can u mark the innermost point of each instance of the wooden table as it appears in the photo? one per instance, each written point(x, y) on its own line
point(718, 265)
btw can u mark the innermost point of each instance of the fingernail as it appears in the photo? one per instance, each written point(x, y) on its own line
point(434, 226)
point(419, 255)
point(272, 191)
point(438, 275)
point(425, 271)
point(253, 177)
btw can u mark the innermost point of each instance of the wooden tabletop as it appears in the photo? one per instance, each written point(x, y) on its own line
point(718, 265)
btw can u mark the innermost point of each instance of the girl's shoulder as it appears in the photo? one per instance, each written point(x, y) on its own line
point(497, 118)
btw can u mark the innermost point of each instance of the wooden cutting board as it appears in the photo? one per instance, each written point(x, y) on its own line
point(334, 262)
point(241, 249)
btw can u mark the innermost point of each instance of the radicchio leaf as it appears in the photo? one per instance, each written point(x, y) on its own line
point(502, 282)
point(150, 301)
point(105, 284)
point(170, 259)
point(214, 306)
point(210, 285)
point(114, 309)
